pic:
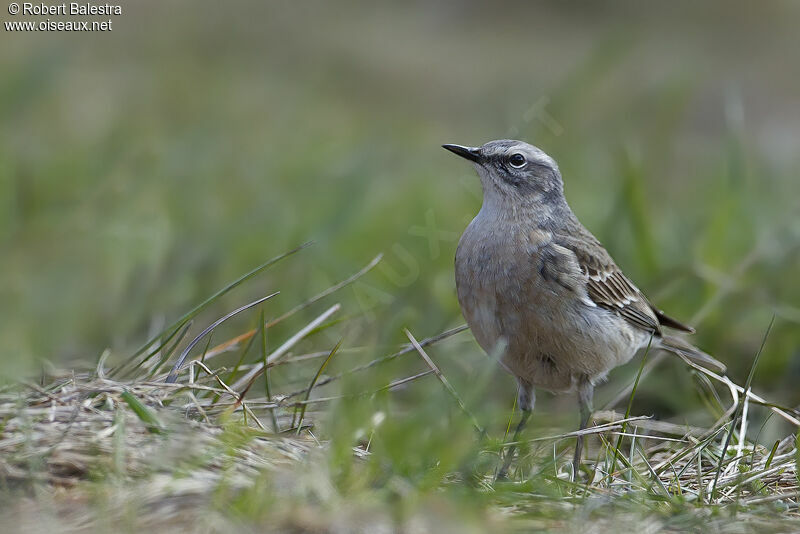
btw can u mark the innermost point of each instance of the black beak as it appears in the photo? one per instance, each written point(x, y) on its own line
point(472, 154)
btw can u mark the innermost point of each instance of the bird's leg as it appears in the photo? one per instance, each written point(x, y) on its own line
point(525, 399)
point(585, 396)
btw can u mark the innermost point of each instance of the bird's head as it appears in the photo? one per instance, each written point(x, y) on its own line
point(514, 173)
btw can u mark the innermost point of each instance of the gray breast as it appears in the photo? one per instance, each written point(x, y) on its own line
point(548, 337)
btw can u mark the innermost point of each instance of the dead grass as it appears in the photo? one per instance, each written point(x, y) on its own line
point(96, 451)
point(164, 452)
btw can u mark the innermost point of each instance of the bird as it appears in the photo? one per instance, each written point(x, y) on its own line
point(542, 294)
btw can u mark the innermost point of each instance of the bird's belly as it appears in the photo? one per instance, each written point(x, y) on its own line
point(540, 336)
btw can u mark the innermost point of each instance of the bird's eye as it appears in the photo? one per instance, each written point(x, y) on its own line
point(517, 161)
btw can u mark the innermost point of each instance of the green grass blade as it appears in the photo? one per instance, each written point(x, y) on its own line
point(144, 413)
point(739, 408)
point(771, 454)
point(210, 300)
point(240, 361)
point(311, 385)
point(180, 330)
point(168, 352)
point(177, 367)
point(630, 407)
point(264, 357)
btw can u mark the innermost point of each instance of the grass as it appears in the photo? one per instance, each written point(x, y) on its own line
point(85, 450)
point(142, 169)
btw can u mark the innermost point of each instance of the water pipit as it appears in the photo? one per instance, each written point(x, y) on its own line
point(538, 288)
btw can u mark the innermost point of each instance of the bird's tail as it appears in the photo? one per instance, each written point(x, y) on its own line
point(690, 352)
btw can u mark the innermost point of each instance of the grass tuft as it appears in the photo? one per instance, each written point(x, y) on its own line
point(197, 449)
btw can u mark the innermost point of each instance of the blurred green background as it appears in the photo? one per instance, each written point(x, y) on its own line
point(143, 169)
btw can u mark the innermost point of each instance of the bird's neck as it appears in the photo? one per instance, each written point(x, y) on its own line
point(533, 210)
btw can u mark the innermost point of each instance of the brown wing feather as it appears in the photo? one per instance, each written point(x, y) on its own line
point(610, 289)
point(608, 286)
